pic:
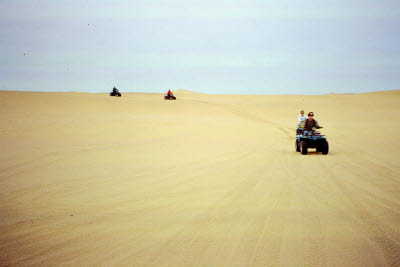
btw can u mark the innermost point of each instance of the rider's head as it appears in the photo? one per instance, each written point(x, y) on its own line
point(302, 112)
point(310, 114)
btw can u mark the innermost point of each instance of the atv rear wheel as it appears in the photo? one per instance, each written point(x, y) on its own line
point(303, 147)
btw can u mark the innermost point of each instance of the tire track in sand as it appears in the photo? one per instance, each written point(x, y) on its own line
point(248, 116)
point(350, 201)
point(312, 231)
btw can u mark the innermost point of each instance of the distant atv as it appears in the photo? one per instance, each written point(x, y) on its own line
point(115, 93)
point(313, 140)
point(169, 97)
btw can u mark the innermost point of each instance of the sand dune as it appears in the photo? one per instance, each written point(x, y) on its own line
point(88, 179)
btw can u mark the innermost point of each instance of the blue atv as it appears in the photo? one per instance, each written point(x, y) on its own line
point(313, 140)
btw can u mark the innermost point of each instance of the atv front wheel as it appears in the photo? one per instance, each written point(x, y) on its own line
point(324, 148)
point(297, 146)
point(303, 147)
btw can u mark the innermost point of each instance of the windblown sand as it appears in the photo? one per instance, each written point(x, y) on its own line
point(89, 179)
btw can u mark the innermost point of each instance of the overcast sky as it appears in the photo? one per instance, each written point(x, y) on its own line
point(218, 46)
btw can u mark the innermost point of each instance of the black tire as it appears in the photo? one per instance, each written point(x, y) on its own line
point(325, 148)
point(303, 147)
point(165, 97)
point(297, 146)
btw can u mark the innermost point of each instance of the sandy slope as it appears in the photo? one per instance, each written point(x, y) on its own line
point(207, 179)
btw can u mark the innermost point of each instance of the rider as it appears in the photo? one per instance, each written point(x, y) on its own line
point(115, 90)
point(301, 117)
point(169, 92)
point(309, 124)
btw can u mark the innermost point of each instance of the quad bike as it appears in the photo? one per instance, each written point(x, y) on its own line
point(169, 97)
point(115, 92)
point(313, 140)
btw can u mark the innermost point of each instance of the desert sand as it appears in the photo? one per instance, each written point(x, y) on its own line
point(89, 179)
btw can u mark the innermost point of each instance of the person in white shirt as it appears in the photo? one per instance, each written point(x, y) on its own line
point(301, 118)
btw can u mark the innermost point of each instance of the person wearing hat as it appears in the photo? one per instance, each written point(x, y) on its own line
point(309, 124)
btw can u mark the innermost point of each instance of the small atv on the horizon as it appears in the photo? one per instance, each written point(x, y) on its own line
point(313, 140)
point(169, 97)
point(115, 92)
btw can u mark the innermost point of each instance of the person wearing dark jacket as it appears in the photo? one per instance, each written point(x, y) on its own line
point(309, 124)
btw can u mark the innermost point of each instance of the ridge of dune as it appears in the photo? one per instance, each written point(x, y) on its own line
point(187, 92)
point(385, 92)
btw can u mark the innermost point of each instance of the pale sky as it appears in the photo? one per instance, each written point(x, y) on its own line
point(219, 46)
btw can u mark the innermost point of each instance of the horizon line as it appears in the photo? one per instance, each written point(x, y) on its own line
point(139, 92)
